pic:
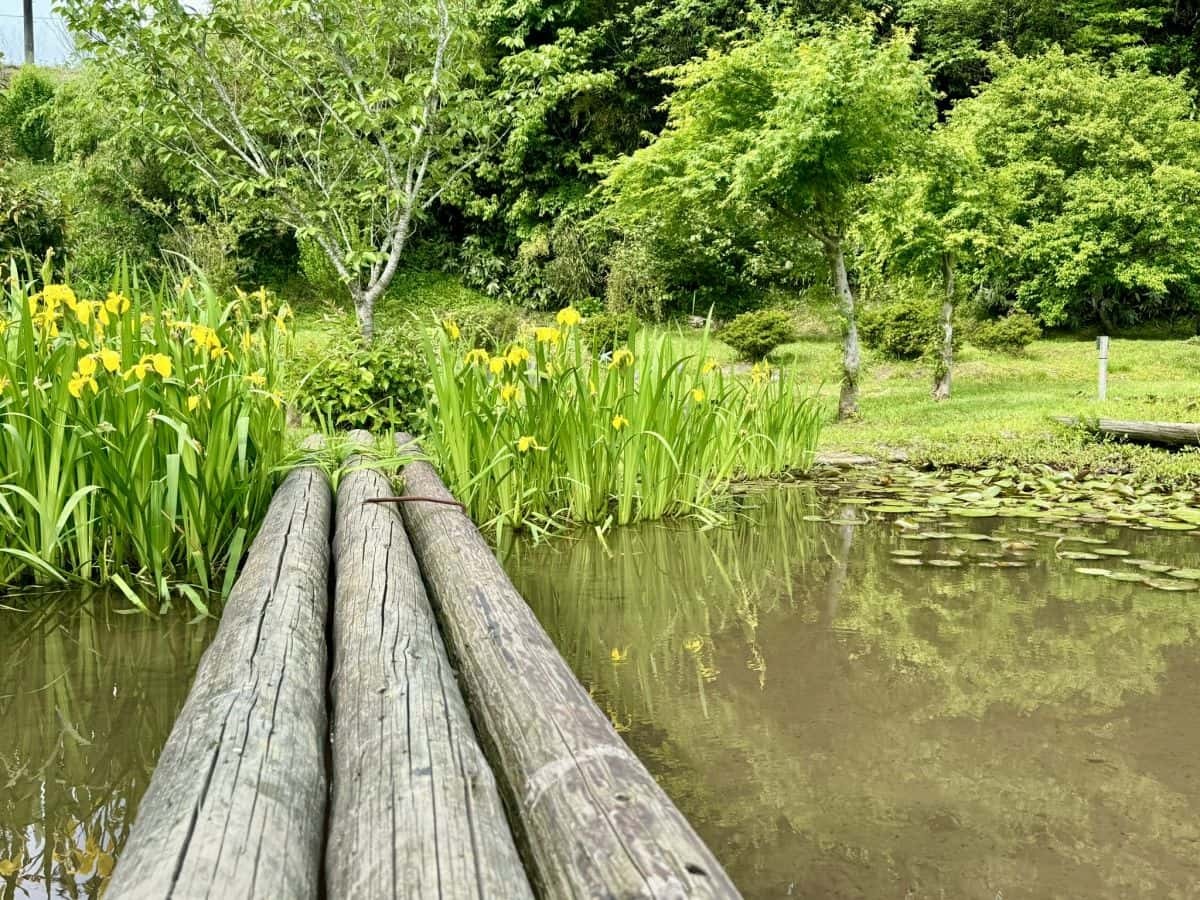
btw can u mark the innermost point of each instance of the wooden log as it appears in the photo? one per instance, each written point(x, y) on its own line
point(591, 818)
point(236, 805)
point(414, 811)
point(1171, 434)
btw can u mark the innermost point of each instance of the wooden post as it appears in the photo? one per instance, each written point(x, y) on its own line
point(27, 15)
point(1102, 353)
point(593, 821)
point(414, 810)
point(236, 806)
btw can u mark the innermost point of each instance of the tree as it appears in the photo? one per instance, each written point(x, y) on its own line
point(793, 122)
point(925, 219)
point(336, 116)
point(956, 37)
point(1100, 172)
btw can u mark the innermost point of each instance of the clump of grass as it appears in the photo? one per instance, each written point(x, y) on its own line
point(141, 435)
point(548, 432)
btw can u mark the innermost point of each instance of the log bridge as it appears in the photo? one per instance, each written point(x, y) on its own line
point(380, 715)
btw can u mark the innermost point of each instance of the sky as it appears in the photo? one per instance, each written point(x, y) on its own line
point(51, 43)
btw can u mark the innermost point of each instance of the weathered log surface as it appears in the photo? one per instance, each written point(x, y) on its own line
point(236, 806)
point(1172, 434)
point(592, 820)
point(414, 810)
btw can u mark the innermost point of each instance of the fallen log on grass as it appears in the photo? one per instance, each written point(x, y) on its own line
point(1170, 434)
point(592, 820)
point(236, 806)
point(414, 810)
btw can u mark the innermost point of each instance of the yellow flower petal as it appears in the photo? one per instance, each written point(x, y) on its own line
point(568, 317)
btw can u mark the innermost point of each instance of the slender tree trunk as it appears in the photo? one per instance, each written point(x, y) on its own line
point(851, 355)
point(364, 309)
point(27, 9)
point(941, 382)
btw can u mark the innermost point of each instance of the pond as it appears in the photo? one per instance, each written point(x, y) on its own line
point(1014, 716)
point(87, 698)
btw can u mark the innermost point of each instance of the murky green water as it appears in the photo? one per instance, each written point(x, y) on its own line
point(839, 725)
point(87, 699)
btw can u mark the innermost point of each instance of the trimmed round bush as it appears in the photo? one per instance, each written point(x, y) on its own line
point(606, 331)
point(755, 334)
point(492, 326)
point(902, 329)
point(377, 387)
point(1011, 334)
point(25, 113)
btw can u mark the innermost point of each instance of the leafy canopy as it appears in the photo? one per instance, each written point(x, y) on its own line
point(335, 116)
point(1102, 178)
point(794, 121)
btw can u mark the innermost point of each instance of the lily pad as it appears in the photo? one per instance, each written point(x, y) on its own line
point(1172, 584)
point(1126, 576)
point(1111, 551)
point(1185, 574)
point(907, 561)
point(905, 552)
point(1104, 573)
point(1077, 555)
point(944, 563)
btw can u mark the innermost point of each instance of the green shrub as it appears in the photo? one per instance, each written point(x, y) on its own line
point(492, 326)
point(1011, 334)
point(755, 334)
point(380, 387)
point(31, 218)
point(606, 331)
point(902, 329)
point(635, 280)
point(25, 113)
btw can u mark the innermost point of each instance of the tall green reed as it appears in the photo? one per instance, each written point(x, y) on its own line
point(550, 432)
point(141, 434)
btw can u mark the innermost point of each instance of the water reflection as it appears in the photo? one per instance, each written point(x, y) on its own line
point(838, 725)
point(87, 699)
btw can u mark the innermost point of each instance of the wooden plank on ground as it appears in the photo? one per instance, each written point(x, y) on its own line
point(414, 811)
point(1171, 434)
point(592, 820)
point(236, 806)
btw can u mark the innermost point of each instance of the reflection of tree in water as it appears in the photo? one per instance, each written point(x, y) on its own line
point(87, 698)
point(854, 728)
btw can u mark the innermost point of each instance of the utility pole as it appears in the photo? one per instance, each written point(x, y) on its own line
point(28, 10)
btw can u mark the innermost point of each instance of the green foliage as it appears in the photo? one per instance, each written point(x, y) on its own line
point(957, 36)
point(25, 113)
point(379, 387)
point(635, 279)
point(1095, 183)
point(141, 435)
point(549, 432)
point(1010, 334)
point(492, 326)
point(796, 123)
point(606, 331)
point(332, 118)
point(906, 328)
point(755, 334)
point(31, 217)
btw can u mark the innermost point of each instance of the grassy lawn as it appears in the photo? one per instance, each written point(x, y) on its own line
point(1001, 405)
